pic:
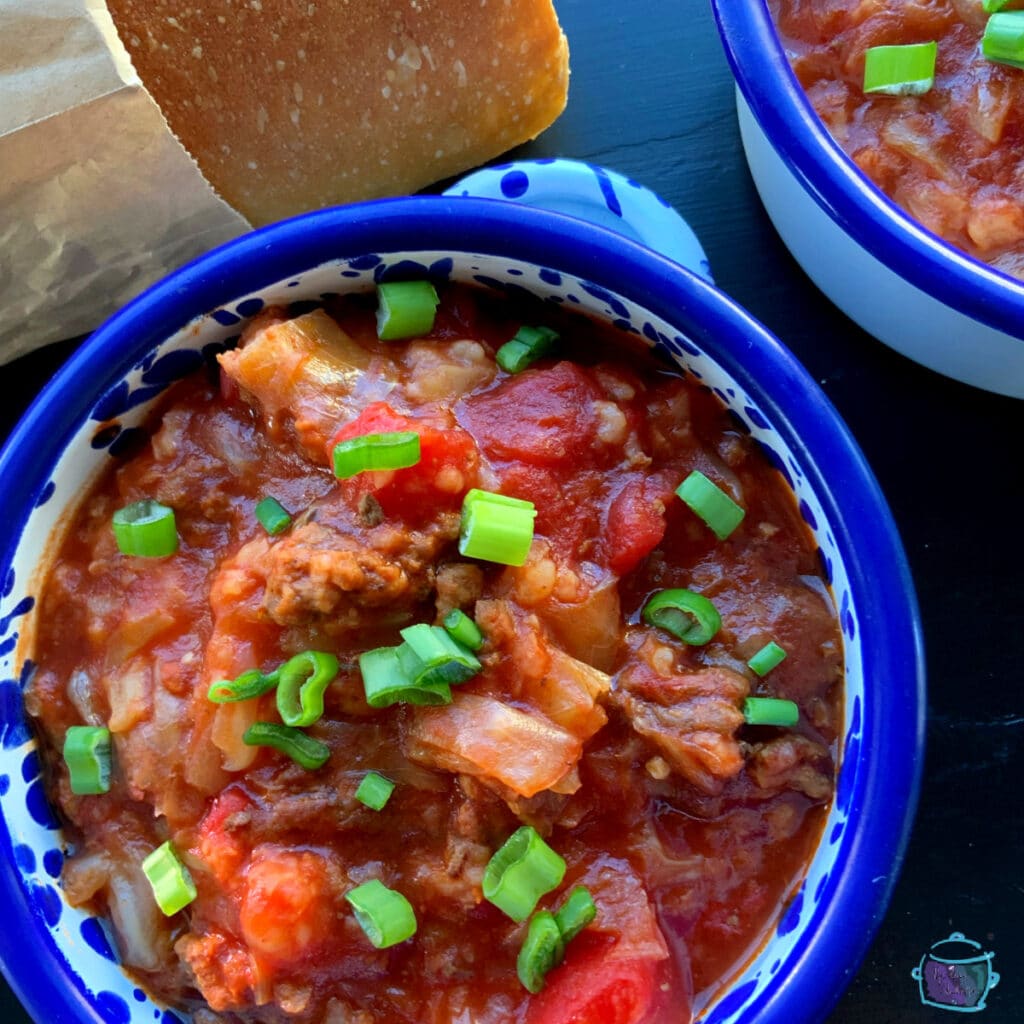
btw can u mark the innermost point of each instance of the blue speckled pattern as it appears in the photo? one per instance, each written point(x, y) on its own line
point(30, 841)
point(596, 194)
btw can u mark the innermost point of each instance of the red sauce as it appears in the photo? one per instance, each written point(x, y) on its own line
point(622, 746)
point(953, 158)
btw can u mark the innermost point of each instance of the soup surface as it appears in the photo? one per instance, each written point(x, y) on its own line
point(625, 748)
point(953, 157)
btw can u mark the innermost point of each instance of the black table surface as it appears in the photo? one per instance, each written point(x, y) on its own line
point(652, 96)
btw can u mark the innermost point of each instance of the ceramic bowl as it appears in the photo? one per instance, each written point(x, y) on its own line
point(904, 285)
point(60, 961)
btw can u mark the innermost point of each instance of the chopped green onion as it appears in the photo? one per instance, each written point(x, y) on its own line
point(1003, 40)
point(146, 529)
point(496, 528)
point(991, 6)
point(770, 711)
point(442, 659)
point(405, 309)
point(385, 915)
point(300, 691)
point(387, 681)
point(708, 501)
point(375, 791)
point(542, 949)
point(548, 934)
point(689, 616)
point(251, 683)
point(87, 755)
point(575, 913)
point(302, 749)
point(907, 70)
point(520, 872)
point(169, 879)
point(766, 659)
point(273, 516)
point(462, 628)
point(395, 450)
point(528, 345)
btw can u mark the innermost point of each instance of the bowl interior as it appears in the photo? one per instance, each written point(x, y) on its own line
point(851, 873)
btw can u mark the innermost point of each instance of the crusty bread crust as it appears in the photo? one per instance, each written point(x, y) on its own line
point(292, 105)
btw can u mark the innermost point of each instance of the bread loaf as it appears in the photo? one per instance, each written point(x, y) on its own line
point(292, 105)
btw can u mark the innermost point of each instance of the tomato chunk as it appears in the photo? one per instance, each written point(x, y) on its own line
point(542, 417)
point(447, 468)
point(287, 907)
point(636, 522)
point(217, 844)
point(593, 987)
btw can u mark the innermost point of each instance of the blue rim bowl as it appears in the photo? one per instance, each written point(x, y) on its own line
point(50, 952)
point(784, 114)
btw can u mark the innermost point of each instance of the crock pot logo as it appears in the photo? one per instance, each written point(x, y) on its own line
point(955, 974)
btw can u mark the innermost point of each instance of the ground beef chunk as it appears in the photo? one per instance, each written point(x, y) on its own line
point(459, 585)
point(691, 718)
point(315, 570)
point(222, 968)
point(322, 573)
point(792, 762)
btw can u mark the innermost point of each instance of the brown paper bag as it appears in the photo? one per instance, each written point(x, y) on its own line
point(97, 198)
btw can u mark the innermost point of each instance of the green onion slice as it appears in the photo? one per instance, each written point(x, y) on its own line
point(87, 755)
point(708, 501)
point(542, 949)
point(462, 628)
point(273, 516)
point(991, 6)
point(405, 309)
point(520, 872)
point(302, 682)
point(438, 679)
point(385, 915)
point(689, 616)
point(387, 680)
point(169, 879)
point(528, 345)
point(575, 913)
point(442, 659)
point(374, 791)
point(1003, 39)
point(766, 659)
point(146, 529)
point(907, 70)
point(302, 749)
point(496, 528)
point(770, 711)
point(395, 450)
point(251, 683)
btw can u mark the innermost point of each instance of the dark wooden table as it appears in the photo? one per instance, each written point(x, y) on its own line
point(651, 96)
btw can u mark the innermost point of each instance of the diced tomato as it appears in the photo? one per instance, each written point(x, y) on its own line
point(568, 508)
point(593, 987)
point(636, 522)
point(544, 417)
point(288, 904)
point(447, 468)
point(221, 849)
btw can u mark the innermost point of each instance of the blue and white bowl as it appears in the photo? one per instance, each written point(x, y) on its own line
point(907, 287)
point(60, 961)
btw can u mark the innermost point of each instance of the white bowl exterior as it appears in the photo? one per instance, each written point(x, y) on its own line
point(896, 312)
point(79, 939)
